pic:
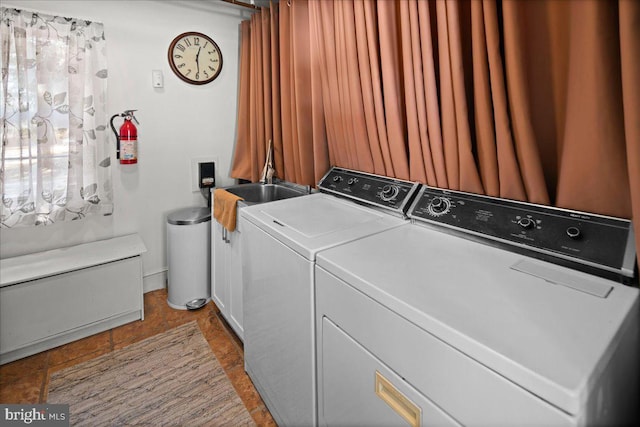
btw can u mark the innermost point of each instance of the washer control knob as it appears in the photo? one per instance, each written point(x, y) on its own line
point(389, 192)
point(352, 181)
point(573, 232)
point(439, 206)
point(337, 178)
point(526, 223)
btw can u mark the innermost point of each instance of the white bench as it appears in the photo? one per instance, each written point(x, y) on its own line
point(54, 297)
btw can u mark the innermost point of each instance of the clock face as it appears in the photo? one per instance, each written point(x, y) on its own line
point(195, 58)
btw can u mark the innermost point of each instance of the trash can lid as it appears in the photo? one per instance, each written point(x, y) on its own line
point(188, 216)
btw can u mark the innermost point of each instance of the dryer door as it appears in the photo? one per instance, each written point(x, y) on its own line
point(358, 389)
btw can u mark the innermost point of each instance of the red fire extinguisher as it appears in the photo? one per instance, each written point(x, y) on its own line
point(127, 140)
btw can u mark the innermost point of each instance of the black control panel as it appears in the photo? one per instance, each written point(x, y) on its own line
point(374, 190)
point(595, 241)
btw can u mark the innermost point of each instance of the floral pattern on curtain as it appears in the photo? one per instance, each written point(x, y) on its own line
point(56, 163)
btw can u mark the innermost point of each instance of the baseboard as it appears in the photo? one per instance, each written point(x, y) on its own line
point(154, 281)
point(70, 336)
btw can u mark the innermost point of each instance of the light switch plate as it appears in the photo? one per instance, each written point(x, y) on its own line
point(157, 79)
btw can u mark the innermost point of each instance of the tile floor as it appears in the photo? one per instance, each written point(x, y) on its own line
point(26, 380)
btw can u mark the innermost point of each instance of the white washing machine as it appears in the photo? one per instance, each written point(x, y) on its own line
point(481, 312)
point(280, 241)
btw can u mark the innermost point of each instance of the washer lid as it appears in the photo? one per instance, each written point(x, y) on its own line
point(318, 216)
point(189, 216)
point(312, 223)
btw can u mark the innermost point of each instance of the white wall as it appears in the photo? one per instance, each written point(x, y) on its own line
point(178, 123)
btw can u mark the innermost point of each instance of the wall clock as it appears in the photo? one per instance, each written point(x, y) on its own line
point(195, 58)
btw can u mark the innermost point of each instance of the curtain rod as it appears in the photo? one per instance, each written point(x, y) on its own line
point(69, 18)
point(241, 3)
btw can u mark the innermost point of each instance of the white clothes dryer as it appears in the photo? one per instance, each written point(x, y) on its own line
point(280, 241)
point(466, 317)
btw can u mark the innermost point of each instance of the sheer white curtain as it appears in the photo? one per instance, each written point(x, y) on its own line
point(56, 163)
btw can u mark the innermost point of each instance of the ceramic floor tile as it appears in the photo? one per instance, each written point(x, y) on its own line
point(178, 317)
point(27, 390)
point(215, 307)
point(154, 322)
point(245, 389)
point(76, 349)
point(226, 352)
point(77, 360)
point(134, 332)
point(152, 309)
point(14, 371)
point(262, 417)
point(160, 294)
point(209, 327)
point(232, 335)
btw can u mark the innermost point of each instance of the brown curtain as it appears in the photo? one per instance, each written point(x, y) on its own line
point(629, 16)
point(527, 100)
point(280, 98)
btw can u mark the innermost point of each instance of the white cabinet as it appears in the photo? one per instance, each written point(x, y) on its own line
point(226, 277)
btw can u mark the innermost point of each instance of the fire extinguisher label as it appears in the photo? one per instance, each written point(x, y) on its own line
point(129, 150)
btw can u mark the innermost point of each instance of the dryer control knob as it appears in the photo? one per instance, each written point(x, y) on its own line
point(573, 232)
point(439, 206)
point(337, 178)
point(526, 223)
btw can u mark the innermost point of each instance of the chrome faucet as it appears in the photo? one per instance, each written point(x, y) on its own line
point(268, 171)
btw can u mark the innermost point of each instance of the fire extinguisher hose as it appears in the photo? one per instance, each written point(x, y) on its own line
point(116, 134)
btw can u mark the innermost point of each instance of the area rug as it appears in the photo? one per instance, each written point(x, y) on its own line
point(170, 379)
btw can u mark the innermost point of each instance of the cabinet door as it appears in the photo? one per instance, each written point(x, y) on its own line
point(234, 274)
point(219, 282)
point(226, 277)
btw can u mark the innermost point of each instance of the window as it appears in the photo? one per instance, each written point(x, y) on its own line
point(55, 154)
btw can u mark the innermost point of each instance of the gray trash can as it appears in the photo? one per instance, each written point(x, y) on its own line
point(189, 258)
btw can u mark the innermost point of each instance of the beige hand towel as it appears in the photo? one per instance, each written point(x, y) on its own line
point(225, 208)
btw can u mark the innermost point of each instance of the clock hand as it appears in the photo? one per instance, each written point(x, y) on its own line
point(197, 61)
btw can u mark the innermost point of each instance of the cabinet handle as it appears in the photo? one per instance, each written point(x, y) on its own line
point(397, 401)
